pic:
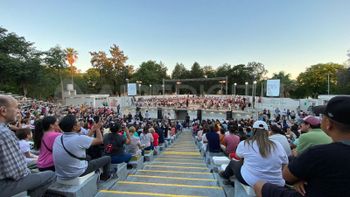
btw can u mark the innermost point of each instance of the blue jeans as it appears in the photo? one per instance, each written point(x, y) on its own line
point(125, 157)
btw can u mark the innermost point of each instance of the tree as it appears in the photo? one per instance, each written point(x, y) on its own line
point(209, 71)
point(257, 70)
point(196, 71)
point(151, 72)
point(315, 79)
point(287, 84)
point(19, 63)
point(55, 58)
point(71, 57)
point(113, 70)
point(180, 72)
point(92, 78)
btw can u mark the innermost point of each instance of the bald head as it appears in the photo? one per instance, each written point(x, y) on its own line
point(8, 109)
point(6, 100)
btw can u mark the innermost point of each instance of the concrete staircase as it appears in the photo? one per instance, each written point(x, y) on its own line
point(178, 171)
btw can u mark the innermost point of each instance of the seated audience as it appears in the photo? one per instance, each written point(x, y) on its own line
point(321, 170)
point(134, 147)
point(24, 135)
point(114, 143)
point(261, 159)
point(311, 134)
point(45, 133)
point(69, 151)
point(278, 135)
point(15, 177)
point(146, 139)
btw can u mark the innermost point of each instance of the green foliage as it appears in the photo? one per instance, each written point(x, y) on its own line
point(150, 72)
point(180, 72)
point(288, 85)
point(24, 70)
point(314, 81)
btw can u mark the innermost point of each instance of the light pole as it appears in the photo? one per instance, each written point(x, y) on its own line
point(139, 84)
point(177, 87)
point(163, 87)
point(328, 84)
point(253, 93)
point(235, 88)
point(221, 83)
point(126, 86)
point(150, 89)
point(246, 88)
point(205, 84)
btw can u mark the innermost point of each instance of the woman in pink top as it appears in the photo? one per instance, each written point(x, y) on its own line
point(46, 131)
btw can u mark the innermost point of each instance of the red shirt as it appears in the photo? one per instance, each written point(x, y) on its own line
point(155, 138)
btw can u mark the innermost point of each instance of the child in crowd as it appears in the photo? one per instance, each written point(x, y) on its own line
point(24, 135)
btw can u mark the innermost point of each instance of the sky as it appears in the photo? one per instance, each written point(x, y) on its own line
point(283, 35)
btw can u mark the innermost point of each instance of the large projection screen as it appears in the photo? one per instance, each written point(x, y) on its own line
point(273, 87)
point(132, 89)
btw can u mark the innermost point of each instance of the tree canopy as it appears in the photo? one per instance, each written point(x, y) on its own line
point(43, 74)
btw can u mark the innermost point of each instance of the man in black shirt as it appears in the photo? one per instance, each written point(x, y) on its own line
point(322, 170)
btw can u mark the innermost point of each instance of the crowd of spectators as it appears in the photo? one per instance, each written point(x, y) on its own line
point(277, 151)
point(196, 102)
point(68, 142)
point(285, 154)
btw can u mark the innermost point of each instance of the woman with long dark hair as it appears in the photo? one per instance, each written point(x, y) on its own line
point(261, 159)
point(45, 133)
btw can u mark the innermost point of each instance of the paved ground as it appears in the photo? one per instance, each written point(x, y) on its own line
point(179, 171)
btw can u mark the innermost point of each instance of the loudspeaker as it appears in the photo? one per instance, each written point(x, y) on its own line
point(228, 115)
point(159, 114)
point(199, 115)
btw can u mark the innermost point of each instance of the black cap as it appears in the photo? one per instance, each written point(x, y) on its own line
point(337, 109)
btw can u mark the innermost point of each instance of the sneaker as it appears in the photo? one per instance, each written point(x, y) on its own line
point(105, 177)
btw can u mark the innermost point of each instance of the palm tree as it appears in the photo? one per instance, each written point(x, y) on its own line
point(71, 57)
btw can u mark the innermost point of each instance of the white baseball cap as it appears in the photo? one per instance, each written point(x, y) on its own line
point(259, 124)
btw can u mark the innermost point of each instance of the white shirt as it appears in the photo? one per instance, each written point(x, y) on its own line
point(283, 141)
point(255, 167)
point(68, 167)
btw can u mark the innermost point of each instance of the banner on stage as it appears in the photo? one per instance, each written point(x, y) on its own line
point(132, 89)
point(273, 87)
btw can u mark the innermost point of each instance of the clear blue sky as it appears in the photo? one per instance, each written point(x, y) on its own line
point(283, 35)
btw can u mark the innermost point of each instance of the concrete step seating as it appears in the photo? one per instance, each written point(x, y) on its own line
point(136, 161)
point(218, 162)
point(77, 187)
point(178, 171)
point(88, 185)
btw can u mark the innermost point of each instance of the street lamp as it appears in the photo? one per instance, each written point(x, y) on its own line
point(163, 88)
point(246, 88)
point(139, 84)
point(178, 83)
point(150, 89)
point(254, 93)
point(235, 87)
point(221, 83)
point(126, 86)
